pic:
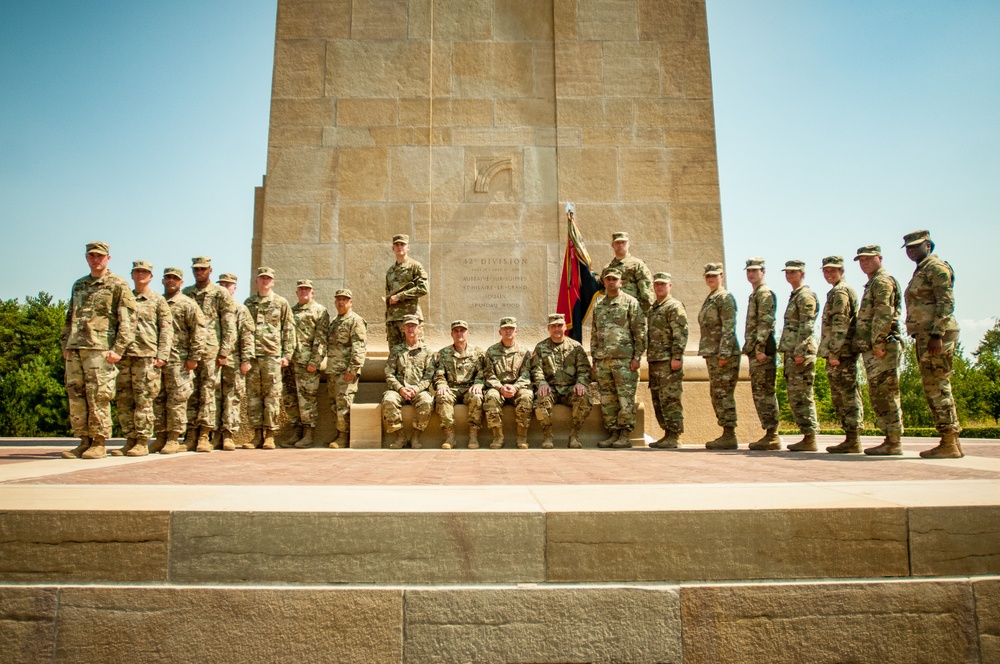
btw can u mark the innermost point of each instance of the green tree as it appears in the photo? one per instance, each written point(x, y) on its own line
point(984, 388)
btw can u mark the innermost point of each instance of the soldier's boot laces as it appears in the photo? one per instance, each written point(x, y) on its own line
point(547, 443)
point(473, 438)
point(574, 440)
point(141, 448)
point(204, 441)
point(624, 439)
point(172, 446)
point(228, 444)
point(497, 441)
point(398, 440)
point(159, 443)
point(96, 449)
point(522, 437)
point(850, 445)
point(340, 441)
point(191, 439)
point(948, 448)
point(268, 440)
point(449, 439)
point(77, 452)
point(307, 438)
point(727, 441)
point(415, 439)
point(889, 447)
point(129, 444)
point(608, 442)
point(769, 441)
point(292, 438)
point(807, 444)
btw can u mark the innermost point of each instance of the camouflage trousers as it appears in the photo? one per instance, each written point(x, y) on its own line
point(799, 380)
point(90, 387)
point(171, 405)
point(301, 394)
point(201, 406)
point(563, 394)
point(765, 401)
point(445, 406)
point(232, 389)
point(493, 403)
point(341, 395)
point(722, 388)
point(264, 392)
point(617, 383)
point(666, 386)
point(392, 410)
point(845, 393)
point(883, 387)
point(935, 374)
point(136, 388)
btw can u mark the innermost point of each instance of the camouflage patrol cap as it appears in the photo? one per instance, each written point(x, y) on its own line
point(411, 320)
point(227, 278)
point(869, 250)
point(459, 323)
point(402, 237)
point(173, 272)
point(201, 261)
point(304, 283)
point(557, 319)
point(620, 235)
point(344, 292)
point(508, 321)
point(794, 266)
point(265, 272)
point(833, 261)
point(661, 276)
point(916, 237)
point(611, 272)
point(755, 263)
point(712, 269)
point(98, 248)
point(142, 265)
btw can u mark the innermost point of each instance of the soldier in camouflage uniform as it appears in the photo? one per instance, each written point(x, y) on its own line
point(408, 373)
point(762, 354)
point(666, 339)
point(405, 284)
point(99, 327)
point(798, 344)
point(232, 381)
point(346, 345)
point(877, 339)
point(836, 345)
point(636, 280)
point(721, 350)
point(617, 342)
point(220, 316)
point(302, 375)
point(274, 343)
point(561, 372)
point(139, 377)
point(187, 349)
point(459, 378)
point(508, 380)
point(930, 319)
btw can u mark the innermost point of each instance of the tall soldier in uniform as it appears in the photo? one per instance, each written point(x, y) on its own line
point(721, 350)
point(762, 354)
point(346, 345)
point(877, 340)
point(302, 375)
point(459, 378)
point(798, 343)
point(636, 280)
point(233, 380)
point(930, 319)
point(99, 327)
point(836, 345)
point(560, 370)
point(139, 377)
point(667, 336)
point(408, 373)
point(405, 284)
point(508, 380)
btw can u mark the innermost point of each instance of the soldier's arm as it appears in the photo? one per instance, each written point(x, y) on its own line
point(490, 375)
point(727, 317)
point(67, 322)
point(246, 332)
point(287, 332)
point(197, 331)
point(524, 374)
point(840, 322)
point(165, 325)
point(805, 345)
point(430, 365)
point(440, 379)
point(390, 373)
point(226, 310)
point(583, 368)
point(359, 347)
point(319, 339)
point(678, 333)
point(594, 336)
point(537, 371)
point(766, 311)
point(942, 280)
point(419, 287)
point(883, 313)
point(644, 288)
point(479, 378)
point(638, 328)
point(126, 320)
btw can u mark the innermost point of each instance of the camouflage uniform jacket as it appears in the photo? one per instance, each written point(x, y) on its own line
point(409, 366)
point(189, 328)
point(408, 282)
point(311, 323)
point(840, 322)
point(667, 331)
point(455, 368)
point(560, 364)
point(636, 280)
point(717, 323)
point(100, 316)
point(220, 317)
point(619, 329)
point(878, 313)
point(507, 366)
point(244, 350)
point(274, 326)
point(759, 331)
point(798, 334)
point(154, 327)
point(930, 299)
point(346, 344)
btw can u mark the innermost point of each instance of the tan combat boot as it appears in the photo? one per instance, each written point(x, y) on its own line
point(624, 439)
point(574, 441)
point(123, 450)
point(668, 442)
point(522, 437)
point(307, 438)
point(807, 444)
point(77, 451)
point(255, 442)
point(948, 448)
point(191, 438)
point(727, 441)
point(547, 443)
point(769, 441)
point(850, 445)
point(268, 440)
point(171, 446)
point(141, 448)
point(415, 439)
point(96, 449)
point(161, 440)
point(399, 439)
point(449, 439)
point(228, 444)
point(889, 447)
point(292, 437)
point(497, 442)
point(342, 441)
point(473, 438)
point(608, 442)
point(217, 440)
point(204, 441)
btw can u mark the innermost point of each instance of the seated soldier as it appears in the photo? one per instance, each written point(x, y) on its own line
point(508, 377)
point(408, 374)
point(458, 378)
point(560, 370)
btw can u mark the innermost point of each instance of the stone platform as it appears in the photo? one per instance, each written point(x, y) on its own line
point(500, 556)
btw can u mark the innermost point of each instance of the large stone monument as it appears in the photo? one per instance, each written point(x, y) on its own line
point(467, 124)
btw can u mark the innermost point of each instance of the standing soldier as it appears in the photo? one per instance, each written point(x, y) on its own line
point(508, 380)
point(99, 327)
point(459, 378)
point(405, 283)
point(561, 372)
point(636, 280)
point(408, 373)
point(930, 319)
point(139, 377)
point(877, 339)
point(187, 349)
point(667, 335)
point(617, 342)
point(798, 344)
point(836, 344)
point(274, 343)
point(762, 354)
point(346, 345)
point(302, 375)
point(721, 350)
point(220, 317)
point(233, 381)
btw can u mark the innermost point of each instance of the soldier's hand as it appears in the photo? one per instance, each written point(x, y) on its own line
point(221, 361)
point(65, 354)
point(675, 365)
point(244, 368)
point(191, 365)
point(477, 390)
point(159, 363)
point(113, 357)
point(833, 362)
point(393, 299)
point(443, 391)
point(723, 361)
point(544, 390)
point(349, 377)
point(507, 391)
point(633, 365)
point(311, 368)
point(799, 359)
point(284, 362)
point(580, 389)
point(879, 353)
point(407, 393)
point(934, 346)
point(761, 357)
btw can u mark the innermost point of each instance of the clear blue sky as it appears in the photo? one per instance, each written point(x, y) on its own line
point(840, 123)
